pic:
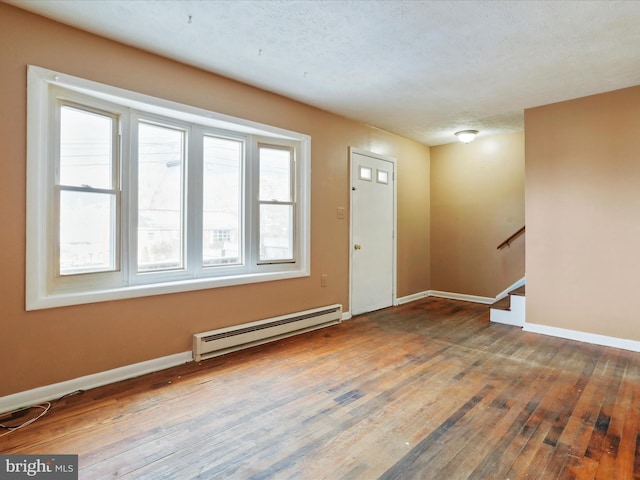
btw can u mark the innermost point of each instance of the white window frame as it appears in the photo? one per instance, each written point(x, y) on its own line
point(115, 189)
point(44, 289)
point(262, 143)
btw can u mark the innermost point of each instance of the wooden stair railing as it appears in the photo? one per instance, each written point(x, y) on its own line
point(508, 241)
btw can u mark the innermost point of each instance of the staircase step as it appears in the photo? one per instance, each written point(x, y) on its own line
point(504, 304)
point(518, 291)
point(511, 309)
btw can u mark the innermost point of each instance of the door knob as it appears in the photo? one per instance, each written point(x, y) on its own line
point(357, 246)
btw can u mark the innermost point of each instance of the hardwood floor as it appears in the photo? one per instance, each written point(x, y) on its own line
point(428, 390)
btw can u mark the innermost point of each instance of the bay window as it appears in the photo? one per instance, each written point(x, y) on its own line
point(130, 195)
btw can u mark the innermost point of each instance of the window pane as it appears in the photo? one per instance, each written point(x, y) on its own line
point(276, 232)
point(85, 148)
point(87, 232)
point(275, 174)
point(222, 199)
point(160, 198)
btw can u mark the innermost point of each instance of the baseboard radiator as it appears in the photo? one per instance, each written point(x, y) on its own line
point(225, 340)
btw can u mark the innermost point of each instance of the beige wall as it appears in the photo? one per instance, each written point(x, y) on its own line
point(49, 346)
point(583, 214)
point(477, 201)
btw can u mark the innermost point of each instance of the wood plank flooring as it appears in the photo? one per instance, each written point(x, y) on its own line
point(427, 390)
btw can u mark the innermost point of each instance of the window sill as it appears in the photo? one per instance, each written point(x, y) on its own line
point(43, 300)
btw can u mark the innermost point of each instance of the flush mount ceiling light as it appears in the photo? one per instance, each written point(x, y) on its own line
point(466, 136)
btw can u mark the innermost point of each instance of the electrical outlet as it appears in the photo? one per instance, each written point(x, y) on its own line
point(323, 280)
point(340, 213)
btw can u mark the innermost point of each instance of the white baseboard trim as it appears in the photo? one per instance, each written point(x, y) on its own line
point(412, 298)
point(450, 295)
point(593, 338)
point(346, 316)
point(38, 395)
point(505, 292)
point(462, 296)
point(515, 316)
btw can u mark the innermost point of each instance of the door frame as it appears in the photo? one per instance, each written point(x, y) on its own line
point(394, 259)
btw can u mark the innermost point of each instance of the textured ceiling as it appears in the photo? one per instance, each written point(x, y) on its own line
point(422, 69)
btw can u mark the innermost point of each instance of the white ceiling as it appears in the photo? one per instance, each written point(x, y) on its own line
point(421, 69)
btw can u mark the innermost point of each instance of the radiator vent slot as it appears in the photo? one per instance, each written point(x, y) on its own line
point(225, 340)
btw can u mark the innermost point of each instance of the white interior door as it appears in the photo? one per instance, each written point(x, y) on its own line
point(372, 232)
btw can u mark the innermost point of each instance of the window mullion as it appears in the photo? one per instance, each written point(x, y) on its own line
point(132, 210)
point(194, 202)
point(124, 181)
point(252, 204)
point(116, 184)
